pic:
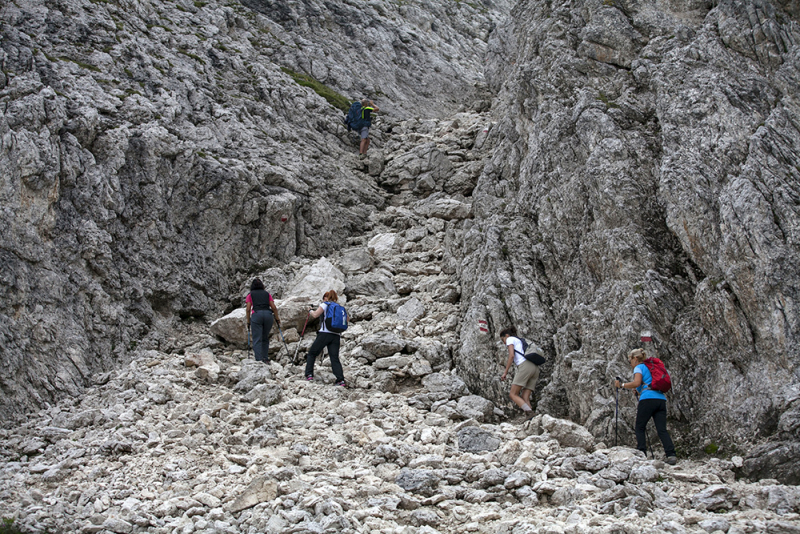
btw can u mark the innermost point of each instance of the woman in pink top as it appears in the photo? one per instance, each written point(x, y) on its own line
point(260, 314)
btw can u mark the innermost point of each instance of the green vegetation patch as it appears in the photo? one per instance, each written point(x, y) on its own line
point(81, 64)
point(8, 527)
point(334, 99)
point(711, 448)
point(193, 56)
point(605, 100)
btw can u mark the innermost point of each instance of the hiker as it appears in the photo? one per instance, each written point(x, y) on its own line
point(368, 107)
point(325, 338)
point(526, 374)
point(652, 404)
point(264, 312)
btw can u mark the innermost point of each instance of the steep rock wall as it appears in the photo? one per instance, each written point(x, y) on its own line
point(155, 152)
point(645, 178)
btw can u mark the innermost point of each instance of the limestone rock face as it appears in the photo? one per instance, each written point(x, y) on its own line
point(154, 156)
point(644, 178)
point(586, 171)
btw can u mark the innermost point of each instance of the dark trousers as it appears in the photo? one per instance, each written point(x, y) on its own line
point(331, 341)
point(261, 324)
point(657, 410)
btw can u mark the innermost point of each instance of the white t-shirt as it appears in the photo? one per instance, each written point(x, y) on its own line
point(518, 354)
point(322, 326)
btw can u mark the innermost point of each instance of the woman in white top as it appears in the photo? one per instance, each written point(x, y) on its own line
point(526, 375)
point(325, 338)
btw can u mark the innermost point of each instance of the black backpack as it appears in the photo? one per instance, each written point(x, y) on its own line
point(532, 353)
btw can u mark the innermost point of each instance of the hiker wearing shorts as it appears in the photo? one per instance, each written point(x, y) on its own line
point(325, 338)
point(652, 405)
point(368, 107)
point(260, 314)
point(526, 374)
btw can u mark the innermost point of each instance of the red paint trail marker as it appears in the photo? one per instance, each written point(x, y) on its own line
point(483, 326)
point(284, 218)
point(646, 337)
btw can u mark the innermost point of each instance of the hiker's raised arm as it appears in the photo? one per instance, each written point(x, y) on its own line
point(275, 311)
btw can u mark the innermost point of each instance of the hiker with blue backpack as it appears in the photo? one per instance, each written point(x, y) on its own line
point(329, 335)
point(359, 118)
point(527, 371)
point(651, 381)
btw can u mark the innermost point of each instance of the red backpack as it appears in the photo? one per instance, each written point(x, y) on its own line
point(661, 381)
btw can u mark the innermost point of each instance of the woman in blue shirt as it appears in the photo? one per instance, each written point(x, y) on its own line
point(652, 404)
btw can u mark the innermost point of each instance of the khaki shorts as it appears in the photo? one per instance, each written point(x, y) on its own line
point(527, 375)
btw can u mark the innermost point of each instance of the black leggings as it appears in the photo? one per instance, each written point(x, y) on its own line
point(261, 324)
point(657, 410)
point(324, 339)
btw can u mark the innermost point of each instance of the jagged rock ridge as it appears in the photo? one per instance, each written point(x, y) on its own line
point(645, 178)
point(154, 153)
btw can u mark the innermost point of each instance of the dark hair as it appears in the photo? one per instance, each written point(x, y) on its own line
point(331, 296)
point(510, 331)
point(257, 284)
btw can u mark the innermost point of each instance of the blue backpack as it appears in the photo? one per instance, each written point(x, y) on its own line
point(336, 318)
point(353, 118)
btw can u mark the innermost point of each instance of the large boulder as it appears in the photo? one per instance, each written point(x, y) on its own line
point(475, 407)
point(261, 489)
point(442, 207)
point(357, 260)
point(567, 433)
point(377, 283)
point(475, 439)
point(232, 327)
point(315, 280)
point(449, 384)
point(383, 246)
point(780, 460)
point(383, 344)
point(251, 374)
point(411, 310)
point(422, 481)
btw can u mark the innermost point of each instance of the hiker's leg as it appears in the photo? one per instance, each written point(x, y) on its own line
point(364, 133)
point(644, 411)
point(526, 396)
point(525, 378)
point(660, 419)
point(313, 352)
point(333, 354)
point(515, 389)
point(268, 319)
point(257, 327)
point(530, 384)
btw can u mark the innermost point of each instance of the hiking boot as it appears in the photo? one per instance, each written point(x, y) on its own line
point(671, 460)
point(341, 383)
point(362, 156)
point(309, 378)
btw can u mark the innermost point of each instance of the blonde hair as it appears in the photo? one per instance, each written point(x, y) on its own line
point(331, 296)
point(637, 354)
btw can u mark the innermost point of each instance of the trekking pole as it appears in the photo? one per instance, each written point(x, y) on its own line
point(294, 358)
point(283, 339)
point(249, 345)
point(616, 421)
